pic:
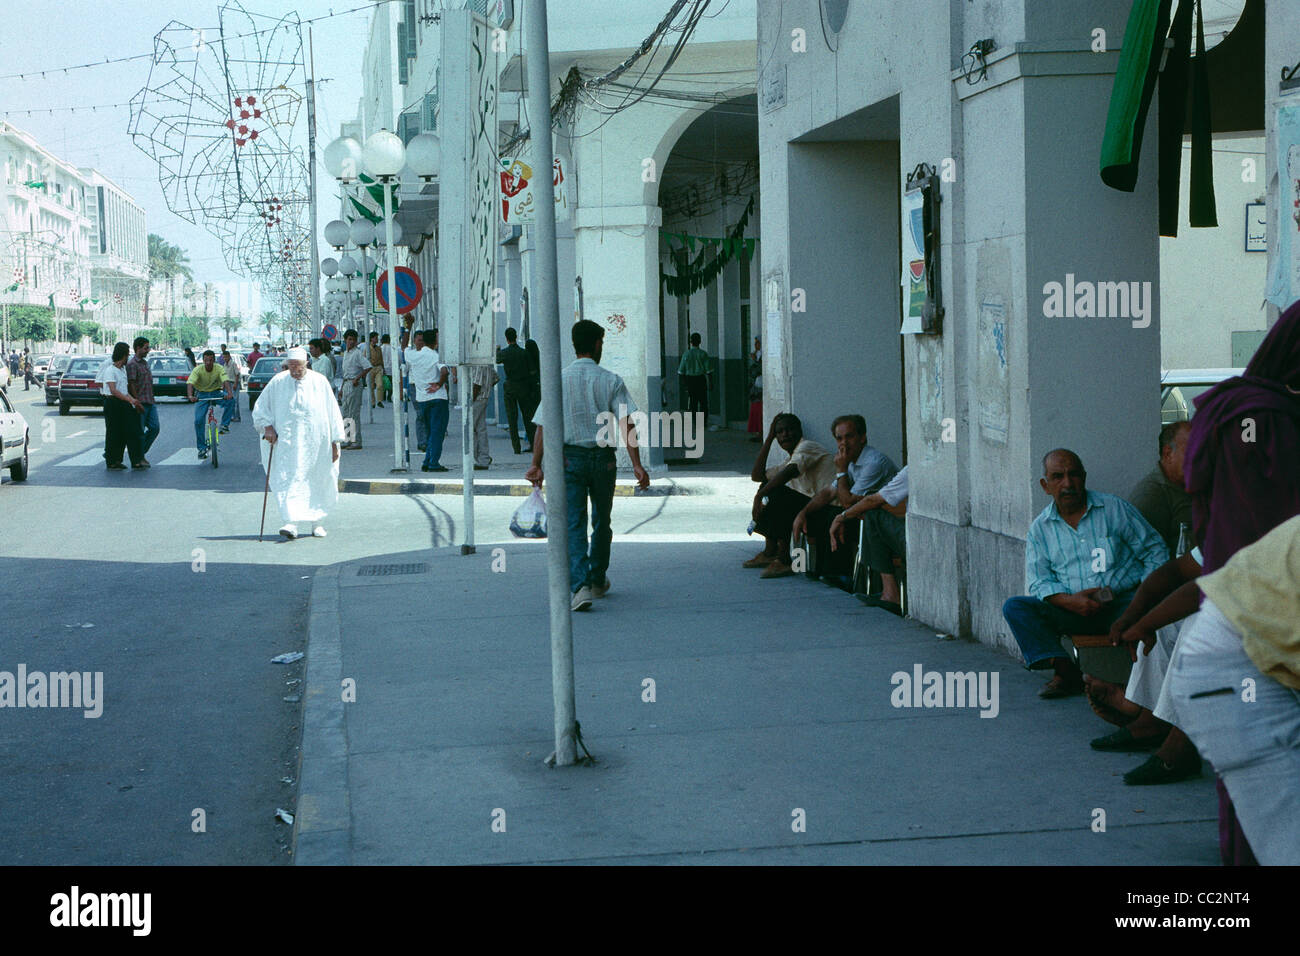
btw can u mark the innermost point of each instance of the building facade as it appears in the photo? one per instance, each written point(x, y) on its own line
point(119, 254)
point(1007, 104)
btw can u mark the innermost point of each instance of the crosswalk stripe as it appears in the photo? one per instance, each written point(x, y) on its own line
point(94, 456)
point(186, 456)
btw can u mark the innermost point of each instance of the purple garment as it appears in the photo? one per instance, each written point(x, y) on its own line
point(1241, 490)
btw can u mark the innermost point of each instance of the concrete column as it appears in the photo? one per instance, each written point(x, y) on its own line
point(619, 251)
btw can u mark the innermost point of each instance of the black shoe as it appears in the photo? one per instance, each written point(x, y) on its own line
point(140, 465)
point(439, 468)
point(1121, 741)
point(203, 454)
point(425, 468)
point(116, 466)
point(1156, 771)
point(380, 405)
point(480, 467)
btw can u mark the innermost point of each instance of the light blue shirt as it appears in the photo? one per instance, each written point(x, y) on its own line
point(1113, 547)
point(869, 473)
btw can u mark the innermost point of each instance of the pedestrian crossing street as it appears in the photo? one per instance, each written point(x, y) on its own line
point(95, 457)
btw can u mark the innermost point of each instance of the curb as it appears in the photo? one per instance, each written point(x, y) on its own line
point(518, 489)
point(322, 828)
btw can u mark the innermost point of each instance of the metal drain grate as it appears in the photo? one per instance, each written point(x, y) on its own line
point(368, 570)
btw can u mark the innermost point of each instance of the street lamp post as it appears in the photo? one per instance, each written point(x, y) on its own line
point(383, 157)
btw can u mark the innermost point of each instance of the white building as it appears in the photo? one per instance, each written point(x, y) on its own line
point(692, 145)
point(1008, 103)
point(119, 253)
point(44, 230)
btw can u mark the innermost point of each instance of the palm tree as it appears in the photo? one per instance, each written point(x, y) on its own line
point(230, 324)
point(270, 320)
point(165, 262)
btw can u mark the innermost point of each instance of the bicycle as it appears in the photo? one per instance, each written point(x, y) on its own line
point(212, 428)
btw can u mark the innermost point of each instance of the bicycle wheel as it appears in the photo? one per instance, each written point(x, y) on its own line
point(214, 436)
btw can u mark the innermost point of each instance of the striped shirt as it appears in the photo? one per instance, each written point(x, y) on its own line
point(1113, 547)
point(589, 391)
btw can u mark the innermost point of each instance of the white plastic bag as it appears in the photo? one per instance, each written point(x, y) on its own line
point(529, 519)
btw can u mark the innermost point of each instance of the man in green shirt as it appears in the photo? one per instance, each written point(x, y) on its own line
point(209, 380)
point(694, 368)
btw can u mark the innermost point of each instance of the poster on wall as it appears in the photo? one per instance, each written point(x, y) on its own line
point(913, 260)
point(518, 196)
point(1284, 270)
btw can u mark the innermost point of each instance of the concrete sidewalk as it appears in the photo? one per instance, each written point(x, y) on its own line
point(728, 456)
point(772, 704)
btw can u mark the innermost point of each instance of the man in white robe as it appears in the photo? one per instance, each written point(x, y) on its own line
point(299, 415)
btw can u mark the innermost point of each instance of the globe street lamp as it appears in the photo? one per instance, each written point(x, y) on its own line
point(383, 157)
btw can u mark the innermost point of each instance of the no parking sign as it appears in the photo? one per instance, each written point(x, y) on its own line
point(409, 289)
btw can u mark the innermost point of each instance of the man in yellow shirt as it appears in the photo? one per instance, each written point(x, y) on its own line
point(209, 381)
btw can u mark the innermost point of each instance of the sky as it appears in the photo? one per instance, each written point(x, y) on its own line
point(66, 33)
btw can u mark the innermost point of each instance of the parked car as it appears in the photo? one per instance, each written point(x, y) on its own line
point(1180, 387)
point(58, 365)
point(14, 439)
point(39, 364)
point(170, 373)
point(78, 385)
point(4, 376)
point(266, 369)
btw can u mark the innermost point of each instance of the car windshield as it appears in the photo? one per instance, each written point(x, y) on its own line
point(272, 364)
point(60, 362)
point(172, 365)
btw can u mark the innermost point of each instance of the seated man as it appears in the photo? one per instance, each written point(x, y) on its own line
point(1085, 555)
point(1160, 496)
point(886, 538)
point(786, 488)
point(859, 471)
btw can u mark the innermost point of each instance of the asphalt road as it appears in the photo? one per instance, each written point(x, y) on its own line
point(187, 609)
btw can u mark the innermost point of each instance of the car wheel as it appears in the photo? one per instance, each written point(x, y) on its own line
point(63, 408)
point(18, 470)
point(50, 401)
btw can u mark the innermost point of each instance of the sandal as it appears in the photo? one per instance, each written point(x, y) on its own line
point(760, 560)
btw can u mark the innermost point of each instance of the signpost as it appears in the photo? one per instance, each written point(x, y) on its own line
point(409, 289)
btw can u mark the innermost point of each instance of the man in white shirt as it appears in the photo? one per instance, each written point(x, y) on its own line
point(428, 378)
point(355, 368)
point(591, 397)
point(386, 347)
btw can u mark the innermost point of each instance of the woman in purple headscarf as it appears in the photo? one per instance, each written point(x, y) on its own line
point(1243, 473)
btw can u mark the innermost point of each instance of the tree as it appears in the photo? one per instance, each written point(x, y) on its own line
point(165, 262)
point(271, 320)
point(32, 323)
point(230, 324)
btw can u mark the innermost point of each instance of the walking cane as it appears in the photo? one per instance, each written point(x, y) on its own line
point(266, 491)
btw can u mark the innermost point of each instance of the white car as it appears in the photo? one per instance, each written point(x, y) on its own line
point(14, 440)
point(4, 376)
point(1179, 387)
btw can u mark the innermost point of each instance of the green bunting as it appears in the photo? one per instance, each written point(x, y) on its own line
point(700, 272)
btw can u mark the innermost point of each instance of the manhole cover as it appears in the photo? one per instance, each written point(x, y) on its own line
point(376, 569)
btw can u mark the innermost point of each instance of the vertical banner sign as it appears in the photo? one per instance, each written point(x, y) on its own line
point(470, 189)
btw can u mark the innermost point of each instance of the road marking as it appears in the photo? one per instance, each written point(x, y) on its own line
point(77, 434)
point(94, 456)
point(186, 456)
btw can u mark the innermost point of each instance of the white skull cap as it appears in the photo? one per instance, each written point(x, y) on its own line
point(297, 354)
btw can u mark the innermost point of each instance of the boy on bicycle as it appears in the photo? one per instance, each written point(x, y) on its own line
point(209, 380)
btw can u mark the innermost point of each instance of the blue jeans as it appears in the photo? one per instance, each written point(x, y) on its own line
point(201, 418)
point(228, 410)
point(1038, 626)
point(589, 473)
point(149, 422)
point(433, 416)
